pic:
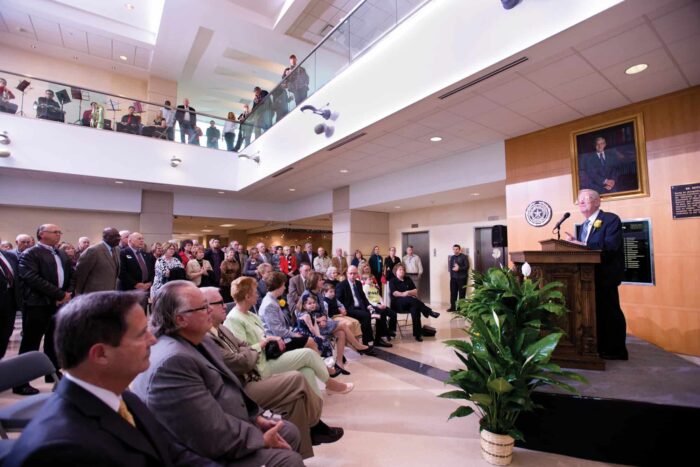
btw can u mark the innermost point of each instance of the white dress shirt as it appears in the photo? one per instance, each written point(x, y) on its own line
point(105, 395)
point(59, 264)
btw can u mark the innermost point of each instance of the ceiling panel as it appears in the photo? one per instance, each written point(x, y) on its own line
point(561, 71)
point(655, 84)
point(581, 87)
point(120, 49)
point(626, 45)
point(47, 31)
point(599, 102)
point(19, 23)
point(658, 60)
point(679, 24)
point(516, 89)
point(534, 103)
point(100, 46)
point(555, 115)
point(686, 50)
point(74, 38)
point(473, 106)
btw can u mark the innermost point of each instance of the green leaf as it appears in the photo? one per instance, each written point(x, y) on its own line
point(500, 386)
point(462, 411)
point(516, 434)
point(454, 395)
point(483, 399)
point(541, 351)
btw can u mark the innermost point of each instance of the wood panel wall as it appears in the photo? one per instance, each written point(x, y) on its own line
point(538, 167)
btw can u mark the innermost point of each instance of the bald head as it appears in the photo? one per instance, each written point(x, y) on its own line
point(136, 241)
point(588, 202)
point(49, 234)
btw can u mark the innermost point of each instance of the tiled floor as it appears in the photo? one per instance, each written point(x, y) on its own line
point(393, 416)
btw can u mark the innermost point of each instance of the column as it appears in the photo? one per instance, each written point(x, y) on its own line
point(156, 219)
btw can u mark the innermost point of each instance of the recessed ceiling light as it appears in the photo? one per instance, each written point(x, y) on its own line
point(397, 207)
point(344, 171)
point(33, 46)
point(221, 192)
point(227, 225)
point(207, 230)
point(292, 189)
point(436, 139)
point(475, 194)
point(123, 57)
point(118, 182)
point(633, 70)
point(129, 6)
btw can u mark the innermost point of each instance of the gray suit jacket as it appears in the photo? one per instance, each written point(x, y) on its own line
point(274, 318)
point(296, 288)
point(97, 270)
point(199, 400)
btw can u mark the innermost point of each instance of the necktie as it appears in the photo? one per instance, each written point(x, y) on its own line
point(584, 230)
point(8, 273)
point(125, 414)
point(601, 156)
point(142, 264)
point(354, 295)
point(114, 255)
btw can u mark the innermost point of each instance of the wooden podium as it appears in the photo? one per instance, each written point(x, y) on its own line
point(573, 265)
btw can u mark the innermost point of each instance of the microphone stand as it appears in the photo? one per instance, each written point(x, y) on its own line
point(556, 230)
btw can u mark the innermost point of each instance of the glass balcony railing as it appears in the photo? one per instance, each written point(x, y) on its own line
point(367, 23)
point(33, 97)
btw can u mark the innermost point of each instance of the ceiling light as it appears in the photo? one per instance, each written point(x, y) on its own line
point(397, 207)
point(292, 189)
point(633, 70)
point(227, 225)
point(123, 57)
point(175, 161)
point(207, 230)
point(436, 139)
point(118, 182)
point(129, 6)
point(474, 194)
point(221, 192)
point(255, 157)
point(344, 171)
point(33, 46)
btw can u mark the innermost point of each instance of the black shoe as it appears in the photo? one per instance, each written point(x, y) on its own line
point(620, 356)
point(392, 334)
point(434, 314)
point(334, 375)
point(25, 390)
point(419, 338)
point(342, 370)
point(451, 309)
point(331, 435)
point(50, 378)
point(381, 343)
point(371, 352)
point(345, 360)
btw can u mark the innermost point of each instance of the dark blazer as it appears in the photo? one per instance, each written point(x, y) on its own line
point(97, 270)
point(76, 429)
point(304, 257)
point(376, 265)
point(37, 268)
point(180, 114)
point(594, 172)
point(344, 295)
point(389, 266)
point(130, 271)
point(608, 238)
point(462, 263)
point(16, 290)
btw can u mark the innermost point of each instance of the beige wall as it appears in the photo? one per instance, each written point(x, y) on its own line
point(446, 225)
point(73, 223)
point(291, 237)
point(538, 168)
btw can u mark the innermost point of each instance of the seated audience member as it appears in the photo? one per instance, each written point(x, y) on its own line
point(230, 271)
point(5, 97)
point(97, 115)
point(285, 393)
point(192, 392)
point(322, 262)
point(336, 311)
point(404, 299)
point(199, 270)
point(349, 293)
point(251, 265)
point(374, 296)
point(264, 272)
point(213, 135)
point(307, 308)
point(48, 109)
point(168, 268)
point(332, 276)
point(288, 262)
point(297, 285)
point(131, 123)
point(366, 270)
point(92, 419)
point(249, 328)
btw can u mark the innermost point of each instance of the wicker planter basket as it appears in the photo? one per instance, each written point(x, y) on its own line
point(496, 449)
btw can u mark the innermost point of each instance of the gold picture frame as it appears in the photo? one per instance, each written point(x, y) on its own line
point(620, 170)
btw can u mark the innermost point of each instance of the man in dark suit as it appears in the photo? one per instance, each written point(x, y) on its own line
point(187, 119)
point(98, 266)
point(376, 266)
point(458, 266)
point(136, 268)
point(600, 169)
point(603, 231)
point(215, 255)
point(219, 420)
point(103, 342)
point(307, 256)
point(10, 297)
point(46, 277)
point(349, 292)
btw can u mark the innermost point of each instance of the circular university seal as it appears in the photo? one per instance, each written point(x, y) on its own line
point(538, 213)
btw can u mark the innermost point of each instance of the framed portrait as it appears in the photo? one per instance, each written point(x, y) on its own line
point(611, 159)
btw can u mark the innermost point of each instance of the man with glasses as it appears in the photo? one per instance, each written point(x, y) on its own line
point(198, 399)
point(46, 277)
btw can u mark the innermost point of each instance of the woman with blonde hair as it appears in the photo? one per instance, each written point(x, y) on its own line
point(198, 269)
point(229, 130)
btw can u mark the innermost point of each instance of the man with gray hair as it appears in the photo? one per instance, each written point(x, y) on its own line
point(23, 241)
point(103, 342)
point(124, 238)
point(217, 420)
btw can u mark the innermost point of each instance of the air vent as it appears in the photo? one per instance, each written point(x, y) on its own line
point(483, 78)
point(492, 218)
point(282, 172)
point(346, 140)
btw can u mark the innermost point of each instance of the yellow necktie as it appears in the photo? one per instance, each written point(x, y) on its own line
point(125, 414)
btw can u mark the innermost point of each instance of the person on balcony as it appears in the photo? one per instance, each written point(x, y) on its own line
point(263, 117)
point(48, 109)
point(187, 119)
point(298, 79)
point(229, 131)
point(131, 123)
point(245, 128)
point(5, 97)
point(213, 135)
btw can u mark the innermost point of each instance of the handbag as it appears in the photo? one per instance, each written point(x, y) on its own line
point(272, 350)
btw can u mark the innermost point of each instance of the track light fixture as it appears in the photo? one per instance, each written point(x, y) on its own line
point(255, 157)
point(175, 161)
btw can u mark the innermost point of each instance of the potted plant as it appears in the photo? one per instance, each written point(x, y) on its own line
point(512, 334)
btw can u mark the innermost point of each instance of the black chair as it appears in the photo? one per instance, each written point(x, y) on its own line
point(5, 448)
point(17, 371)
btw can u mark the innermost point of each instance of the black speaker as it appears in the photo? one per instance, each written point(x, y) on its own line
point(499, 236)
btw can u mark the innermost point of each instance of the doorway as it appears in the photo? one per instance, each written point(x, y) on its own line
point(421, 247)
point(483, 251)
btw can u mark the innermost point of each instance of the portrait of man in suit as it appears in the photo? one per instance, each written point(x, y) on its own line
point(603, 231)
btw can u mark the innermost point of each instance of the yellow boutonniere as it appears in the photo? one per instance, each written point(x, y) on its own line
point(597, 224)
point(282, 302)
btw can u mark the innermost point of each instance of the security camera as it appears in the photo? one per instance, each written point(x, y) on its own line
point(324, 113)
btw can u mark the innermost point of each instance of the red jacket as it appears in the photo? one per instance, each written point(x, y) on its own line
point(284, 264)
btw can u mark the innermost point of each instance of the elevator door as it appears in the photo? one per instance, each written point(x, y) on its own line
point(483, 250)
point(421, 247)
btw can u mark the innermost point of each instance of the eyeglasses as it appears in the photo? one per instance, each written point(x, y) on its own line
point(220, 302)
point(194, 310)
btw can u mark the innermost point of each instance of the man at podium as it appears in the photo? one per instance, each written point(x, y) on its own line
point(603, 231)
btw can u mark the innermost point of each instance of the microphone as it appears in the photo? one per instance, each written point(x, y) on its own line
point(561, 221)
